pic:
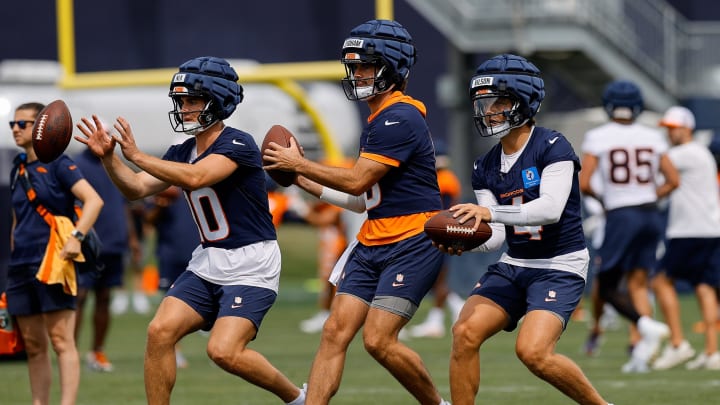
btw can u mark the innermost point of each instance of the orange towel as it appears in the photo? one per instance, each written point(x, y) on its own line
point(53, 269)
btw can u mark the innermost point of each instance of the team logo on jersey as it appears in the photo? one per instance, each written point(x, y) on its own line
point(237, 303)
point(530, 177)
point(399, 278)
point(482, 81)
point(353, 43)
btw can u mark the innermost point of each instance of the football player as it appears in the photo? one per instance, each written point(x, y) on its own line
point(232, 278)
point(629, 158)
point(393, 266)
point(527, 189)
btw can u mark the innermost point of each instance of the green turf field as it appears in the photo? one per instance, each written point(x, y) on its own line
point(504, 379)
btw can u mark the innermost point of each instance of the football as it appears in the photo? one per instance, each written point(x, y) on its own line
point(281, 136)
point(445, 230)
point(52, 131)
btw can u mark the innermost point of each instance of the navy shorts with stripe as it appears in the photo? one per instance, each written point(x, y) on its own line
point(695, 260)
point(26, 295)
point(214, 301)
point(405, 269)
point(519, 290)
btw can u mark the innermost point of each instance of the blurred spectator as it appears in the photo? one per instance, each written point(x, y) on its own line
point(693, 226)
point(176, 239)
point(112, 226)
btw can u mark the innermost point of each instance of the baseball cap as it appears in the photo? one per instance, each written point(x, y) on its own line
point(678, 117)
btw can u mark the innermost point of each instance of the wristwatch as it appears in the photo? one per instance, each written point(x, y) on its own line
point(77, 235)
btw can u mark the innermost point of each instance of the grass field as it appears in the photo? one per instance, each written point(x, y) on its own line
point(504, 378)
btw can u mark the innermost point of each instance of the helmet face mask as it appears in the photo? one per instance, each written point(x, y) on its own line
point(496, 114)
point(194, 121)
point(385, 45)
point(363, 86)
point(212, 79)
point(506, 92)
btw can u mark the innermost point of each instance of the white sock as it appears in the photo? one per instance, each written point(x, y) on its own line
point(300, 400)
point(444, 402)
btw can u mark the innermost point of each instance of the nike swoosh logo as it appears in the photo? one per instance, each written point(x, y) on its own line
point(388, 123)
point(233, 306)
point(475, 166)
point(552, 141)
point(236, 142)
point(394, 284)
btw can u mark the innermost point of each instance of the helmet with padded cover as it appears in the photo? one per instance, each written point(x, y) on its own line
point(510, 77)
point(622, 99)
point(211, 78)
point(383, 43)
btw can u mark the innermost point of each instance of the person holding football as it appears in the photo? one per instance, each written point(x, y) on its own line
point(527, 190)
point(393, 265)
point(233, 276)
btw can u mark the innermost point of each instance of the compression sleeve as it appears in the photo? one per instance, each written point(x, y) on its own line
point(343, 200)
point(555, 186)
point(486, 199)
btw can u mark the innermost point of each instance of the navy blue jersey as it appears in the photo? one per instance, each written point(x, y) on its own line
point(112, 223)
point(522, 184)
point(398, 135)
point(52, 183)
point(234, 212)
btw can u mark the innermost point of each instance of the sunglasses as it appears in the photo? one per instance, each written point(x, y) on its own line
point(21, 123)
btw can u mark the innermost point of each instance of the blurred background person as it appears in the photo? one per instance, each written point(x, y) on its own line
point(112, 226)
point(630, 158)
point(176, 238)
point(692, 250)
point(122, 299)
point(434, 324)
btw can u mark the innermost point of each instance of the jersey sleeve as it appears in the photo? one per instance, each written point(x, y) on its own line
point(67, 172)
point(394, 136)
point(240, 147)
point(559, 149)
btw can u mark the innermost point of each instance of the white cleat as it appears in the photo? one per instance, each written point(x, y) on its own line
point(711, 362)
point(120, 303)
point(674, 356)
point(428, 330)
point(314, 324)
point(653, 333)
point(141, 303)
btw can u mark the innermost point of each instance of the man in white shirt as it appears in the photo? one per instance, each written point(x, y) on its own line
point(693, 243)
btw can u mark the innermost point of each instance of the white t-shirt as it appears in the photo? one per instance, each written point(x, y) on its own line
point(628, 162)
point(695, 205)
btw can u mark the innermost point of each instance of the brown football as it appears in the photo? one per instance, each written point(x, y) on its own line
point(52, 131)
point(281, 136)
point(445, 230)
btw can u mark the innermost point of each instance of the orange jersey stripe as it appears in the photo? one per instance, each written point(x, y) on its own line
point(383, 231)
point(381, 159)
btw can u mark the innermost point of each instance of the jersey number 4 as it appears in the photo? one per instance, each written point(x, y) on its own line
point(534, 232)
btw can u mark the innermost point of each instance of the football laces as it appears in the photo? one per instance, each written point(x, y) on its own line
point(460, 230)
